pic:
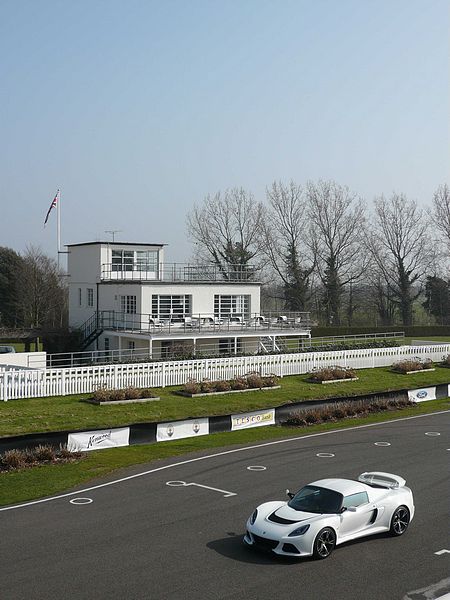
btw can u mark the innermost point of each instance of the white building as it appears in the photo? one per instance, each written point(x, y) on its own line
point(122, 296)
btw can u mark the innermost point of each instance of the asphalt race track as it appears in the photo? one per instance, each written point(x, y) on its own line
point(143, 539)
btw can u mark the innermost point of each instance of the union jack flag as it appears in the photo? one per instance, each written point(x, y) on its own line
point(52, 205)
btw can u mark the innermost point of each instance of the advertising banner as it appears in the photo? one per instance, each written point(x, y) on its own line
point(182, 429)
point(257, 418)
point(97, 440)
point(422, 395)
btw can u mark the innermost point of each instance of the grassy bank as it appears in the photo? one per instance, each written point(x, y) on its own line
point(44, 481)
point(68, 412)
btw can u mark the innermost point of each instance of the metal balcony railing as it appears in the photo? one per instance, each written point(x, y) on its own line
point(179, 272)
point(203, 322)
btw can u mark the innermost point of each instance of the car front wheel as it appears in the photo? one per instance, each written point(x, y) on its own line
point(399, 521)
point(324, 543)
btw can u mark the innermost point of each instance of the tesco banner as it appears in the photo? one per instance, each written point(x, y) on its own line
point(422, 395)
point(257, 418)
point(182, 429)
point(97, 440)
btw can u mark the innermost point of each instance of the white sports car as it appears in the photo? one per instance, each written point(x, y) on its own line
point(329, 512)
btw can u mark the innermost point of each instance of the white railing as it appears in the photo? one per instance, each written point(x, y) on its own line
point(79, 380)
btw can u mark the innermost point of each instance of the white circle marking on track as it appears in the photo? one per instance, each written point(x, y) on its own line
point(81, 501)
point(382, 444)
point(325, 455)
point(256, 468)
point(176, 483)
point(432, 433)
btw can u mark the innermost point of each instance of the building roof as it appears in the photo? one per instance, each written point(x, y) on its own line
point(115, 243)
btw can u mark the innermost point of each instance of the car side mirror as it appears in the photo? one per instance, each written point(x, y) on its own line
point(352, 508)
point(289, 494)
point(343, 509)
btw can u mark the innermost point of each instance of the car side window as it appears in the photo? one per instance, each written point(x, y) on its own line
point(355, 499)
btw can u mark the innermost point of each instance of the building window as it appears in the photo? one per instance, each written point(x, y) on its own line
point(80, 297)
point(128, 304)
point(134, 260)
point(164, 307)
point(131, 345)
point(106, 341)
point(228, 306)
point(90, 297)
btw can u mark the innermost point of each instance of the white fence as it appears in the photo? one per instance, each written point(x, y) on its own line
point(61, 382)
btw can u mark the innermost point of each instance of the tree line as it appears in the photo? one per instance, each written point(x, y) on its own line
point(32, 291)
point(323, 248)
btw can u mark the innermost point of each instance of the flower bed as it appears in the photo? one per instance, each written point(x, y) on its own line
point(126, 396)
point(332, 375)
point(248, 383)
point(15, 460)
point(344, 410)
point(413, 365)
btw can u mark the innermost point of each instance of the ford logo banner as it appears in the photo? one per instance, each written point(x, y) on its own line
point(422, 394)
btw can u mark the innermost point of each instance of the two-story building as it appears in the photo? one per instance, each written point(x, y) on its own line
point(123, 296)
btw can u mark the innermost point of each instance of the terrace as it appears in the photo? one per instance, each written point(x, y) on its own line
point(177, 272)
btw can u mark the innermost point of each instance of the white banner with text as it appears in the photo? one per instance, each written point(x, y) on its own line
point(97, 440)
point(257, 418)
point(182, 429)
point(422, 395)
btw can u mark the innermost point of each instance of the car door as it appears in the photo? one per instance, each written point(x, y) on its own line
point(358, 514)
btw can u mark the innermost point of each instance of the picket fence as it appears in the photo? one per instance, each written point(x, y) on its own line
point(78, 380)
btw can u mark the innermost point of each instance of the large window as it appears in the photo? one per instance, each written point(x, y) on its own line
point(168, 306)
point(134, 260)
point(128, 304)
point(228, 306)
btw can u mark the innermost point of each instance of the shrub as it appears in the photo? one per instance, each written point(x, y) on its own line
point(116, 395)
point(254, 380)
point(206, 386)
point(270, 380)
point(131, 393)
point(331, 373)
point(13, 459)
point(191, 387)
point(222, 386)
point(101, 395)
point(146, 393)
point(446, 360)
point(239, 383)
point(44, 453)
point(411, 364)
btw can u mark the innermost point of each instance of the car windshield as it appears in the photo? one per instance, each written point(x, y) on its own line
point(316, 500)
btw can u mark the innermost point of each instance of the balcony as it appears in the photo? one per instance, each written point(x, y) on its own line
point(207, 325)
point(179, 272)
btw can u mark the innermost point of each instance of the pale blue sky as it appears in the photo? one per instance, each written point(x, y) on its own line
point(138, 109)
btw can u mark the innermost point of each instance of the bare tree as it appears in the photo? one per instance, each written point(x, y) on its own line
point(337, 218)
point(401, 248)
point(227, 231)
point(42, 295)
point(285, 236)
point(441, 211)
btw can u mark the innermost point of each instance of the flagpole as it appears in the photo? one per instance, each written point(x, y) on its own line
point(58, 225)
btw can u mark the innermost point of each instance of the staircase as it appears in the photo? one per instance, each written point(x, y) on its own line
point(90, 330)
point(268, 343)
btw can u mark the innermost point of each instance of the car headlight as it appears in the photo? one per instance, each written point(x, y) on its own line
point(253, 517)
point(299, 531)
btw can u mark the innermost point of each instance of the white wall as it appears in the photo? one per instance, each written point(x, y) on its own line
point(32, 360)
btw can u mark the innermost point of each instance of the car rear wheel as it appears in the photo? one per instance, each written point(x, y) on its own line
point(400, 521)
point(324, 543)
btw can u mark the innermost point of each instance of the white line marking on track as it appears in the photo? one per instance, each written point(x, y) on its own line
point(382, 444)
point(256, 468)
point(207, 487)
point(433, 433)
point(443, 551)
point(223, 453)
point(81, 501)
point(325, 455)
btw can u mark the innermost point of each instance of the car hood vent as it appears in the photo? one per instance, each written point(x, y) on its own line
point(276, 519)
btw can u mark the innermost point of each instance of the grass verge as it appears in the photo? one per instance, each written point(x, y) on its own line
point(68, 412)
point(47, 480)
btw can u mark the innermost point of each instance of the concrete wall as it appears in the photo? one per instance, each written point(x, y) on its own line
point(32, 360)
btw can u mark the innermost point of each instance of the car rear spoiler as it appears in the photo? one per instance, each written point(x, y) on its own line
point(379, 479)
